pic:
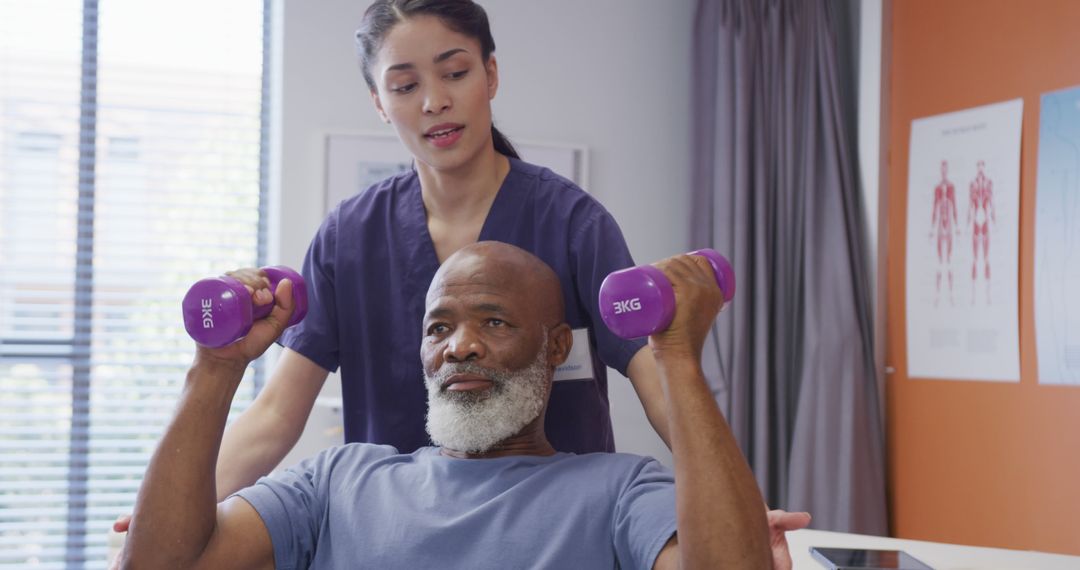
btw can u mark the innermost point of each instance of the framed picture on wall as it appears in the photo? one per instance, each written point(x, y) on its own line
point(356, 160)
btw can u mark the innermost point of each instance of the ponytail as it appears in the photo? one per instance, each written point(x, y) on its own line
point(502, 144)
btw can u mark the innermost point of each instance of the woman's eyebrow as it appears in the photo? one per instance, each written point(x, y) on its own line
point(438, 59)
point(447, 54)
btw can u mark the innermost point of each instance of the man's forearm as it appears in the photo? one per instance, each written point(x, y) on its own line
point(721, 521)
point(175, 511)
point(646, 381)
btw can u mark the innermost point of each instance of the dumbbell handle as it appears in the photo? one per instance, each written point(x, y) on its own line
point(640, 301)
point(219, 310)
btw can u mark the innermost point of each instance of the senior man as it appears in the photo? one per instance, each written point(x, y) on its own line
point(494, 493)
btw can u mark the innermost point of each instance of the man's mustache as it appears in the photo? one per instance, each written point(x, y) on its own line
point(446, 371)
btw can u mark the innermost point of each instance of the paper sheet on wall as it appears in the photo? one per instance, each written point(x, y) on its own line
point(1057, 239)
point(963, 243)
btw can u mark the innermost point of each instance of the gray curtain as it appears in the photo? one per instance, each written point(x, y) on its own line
point(776, 188)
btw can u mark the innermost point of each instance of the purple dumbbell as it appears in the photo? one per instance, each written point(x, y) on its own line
point(219, 311)
point(640, 301)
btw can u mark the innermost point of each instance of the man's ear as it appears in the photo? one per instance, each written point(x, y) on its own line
point(560, 341)
point(492, 68)
point(378, 106)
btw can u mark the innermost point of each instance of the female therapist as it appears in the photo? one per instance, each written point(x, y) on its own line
point(432, 74)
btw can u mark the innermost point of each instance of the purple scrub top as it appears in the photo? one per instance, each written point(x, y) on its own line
point(368, 269)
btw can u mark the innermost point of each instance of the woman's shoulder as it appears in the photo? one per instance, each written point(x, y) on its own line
point(546, 185)
point(542, 175)
point(557, 202)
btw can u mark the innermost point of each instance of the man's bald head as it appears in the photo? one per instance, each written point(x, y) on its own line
point(505, 268)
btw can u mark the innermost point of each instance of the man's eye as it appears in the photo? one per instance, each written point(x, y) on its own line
point(437, 329)
point(496, 322)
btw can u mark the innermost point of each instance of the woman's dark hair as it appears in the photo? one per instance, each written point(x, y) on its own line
point(463, 16)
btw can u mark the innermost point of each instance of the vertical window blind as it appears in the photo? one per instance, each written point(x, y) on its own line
point(132, 163)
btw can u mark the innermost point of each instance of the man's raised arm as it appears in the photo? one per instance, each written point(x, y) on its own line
point(720, 519)
point(177, 522)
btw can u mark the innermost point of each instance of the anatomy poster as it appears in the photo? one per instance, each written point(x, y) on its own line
point(1057, 239)
point(962, 244)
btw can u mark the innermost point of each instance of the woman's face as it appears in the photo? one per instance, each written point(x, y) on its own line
point(432, 85)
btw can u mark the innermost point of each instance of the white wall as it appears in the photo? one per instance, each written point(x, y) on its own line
point(870, 112)
point(612, 75)
point(870, 84)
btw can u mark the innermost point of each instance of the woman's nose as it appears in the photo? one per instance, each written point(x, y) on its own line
point(436, 100)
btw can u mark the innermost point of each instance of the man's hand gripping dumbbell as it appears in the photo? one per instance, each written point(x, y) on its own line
point(221, 310)
point(640, 301)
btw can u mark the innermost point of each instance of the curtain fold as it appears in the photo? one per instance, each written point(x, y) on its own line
point(775, 182)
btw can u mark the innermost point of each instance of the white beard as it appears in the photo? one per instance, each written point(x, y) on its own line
point(474, 423)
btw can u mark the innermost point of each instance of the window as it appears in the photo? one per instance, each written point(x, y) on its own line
point(132, 163)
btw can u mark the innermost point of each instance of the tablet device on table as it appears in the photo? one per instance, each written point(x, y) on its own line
point(857, 558)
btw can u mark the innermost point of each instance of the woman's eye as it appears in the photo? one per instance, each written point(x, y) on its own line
point(404, 88)
point(458, 74)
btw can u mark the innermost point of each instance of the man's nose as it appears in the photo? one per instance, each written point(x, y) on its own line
point(436, 100)
point(464, 345)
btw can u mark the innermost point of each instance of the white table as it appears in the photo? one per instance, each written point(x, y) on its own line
point(938, 555)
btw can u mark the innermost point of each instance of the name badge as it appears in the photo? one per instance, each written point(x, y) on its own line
point(579, 364)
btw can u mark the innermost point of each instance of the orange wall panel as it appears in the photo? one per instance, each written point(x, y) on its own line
point(984, 463)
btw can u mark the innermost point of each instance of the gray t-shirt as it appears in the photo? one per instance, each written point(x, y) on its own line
point(366, 506)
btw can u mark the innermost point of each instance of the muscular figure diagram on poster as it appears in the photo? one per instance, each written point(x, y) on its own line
point(980, 216)
point(944, 223)
point(962, 286)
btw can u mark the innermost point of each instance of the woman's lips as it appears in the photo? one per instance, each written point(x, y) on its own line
point(443, 136)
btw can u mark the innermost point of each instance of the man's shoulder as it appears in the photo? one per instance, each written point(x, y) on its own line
point(613, 477)
point(613, 466)
point(619, 459)
point(353, 454)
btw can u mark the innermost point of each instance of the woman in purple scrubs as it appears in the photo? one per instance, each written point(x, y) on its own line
point(432, 74)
